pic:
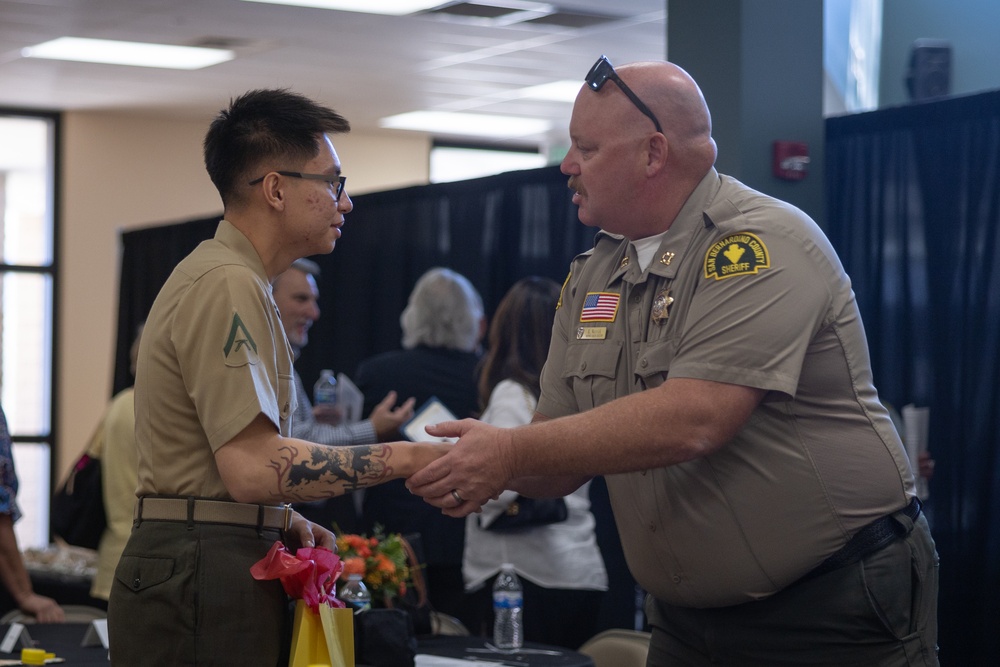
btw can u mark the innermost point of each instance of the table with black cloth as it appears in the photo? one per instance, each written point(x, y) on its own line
point(458, 647)
point(64, 640)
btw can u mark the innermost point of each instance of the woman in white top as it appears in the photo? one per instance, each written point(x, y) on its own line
point(559, 564)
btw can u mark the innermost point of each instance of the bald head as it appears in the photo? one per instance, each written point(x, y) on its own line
point(676, 100)
point(654, 172)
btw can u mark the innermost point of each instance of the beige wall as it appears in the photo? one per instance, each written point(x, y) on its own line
point(124, 171)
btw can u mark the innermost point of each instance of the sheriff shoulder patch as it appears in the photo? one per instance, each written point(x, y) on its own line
point(736, 255)
point(562, 290)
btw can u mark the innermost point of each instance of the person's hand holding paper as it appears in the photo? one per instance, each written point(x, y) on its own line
point(430, 413)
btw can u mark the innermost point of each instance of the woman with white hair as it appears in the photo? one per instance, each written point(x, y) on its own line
point(443, 325)
point(444, 311)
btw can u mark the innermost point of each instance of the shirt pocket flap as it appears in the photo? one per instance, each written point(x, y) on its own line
point(591, 359)
point(655, 357)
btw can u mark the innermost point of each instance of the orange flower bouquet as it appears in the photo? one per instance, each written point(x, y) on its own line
point(381, 560)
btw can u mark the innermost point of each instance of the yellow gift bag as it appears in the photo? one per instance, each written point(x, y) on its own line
point(324, 638)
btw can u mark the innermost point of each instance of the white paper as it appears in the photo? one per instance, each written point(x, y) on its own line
point(916, 424)
point(431, 412)
point(17, 635)
point(425, 660)
point(350, 399)
point(97, 633)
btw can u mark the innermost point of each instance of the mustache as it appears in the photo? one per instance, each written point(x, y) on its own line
point(574, 184)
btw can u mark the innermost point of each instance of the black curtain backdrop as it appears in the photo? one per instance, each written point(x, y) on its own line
point(493, 230)
point(913, 199)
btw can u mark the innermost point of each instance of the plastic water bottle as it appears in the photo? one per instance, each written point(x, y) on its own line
point(508, 601)
point(325, 389)
point(355, 594)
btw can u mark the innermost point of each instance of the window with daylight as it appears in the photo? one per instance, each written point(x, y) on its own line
point(457, 163)
point(27, 286)
point(852, 45)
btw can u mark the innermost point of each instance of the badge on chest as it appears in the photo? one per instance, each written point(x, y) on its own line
point(661, 306)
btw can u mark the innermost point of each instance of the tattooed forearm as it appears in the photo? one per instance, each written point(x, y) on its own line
point(320, 471)
point(283, 465)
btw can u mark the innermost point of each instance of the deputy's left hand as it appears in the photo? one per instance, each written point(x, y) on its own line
point(925, 465)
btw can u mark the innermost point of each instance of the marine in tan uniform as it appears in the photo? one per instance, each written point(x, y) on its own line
point(213, 397)
point(708, 358)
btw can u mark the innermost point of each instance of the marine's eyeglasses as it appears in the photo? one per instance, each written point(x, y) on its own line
point(332, 180)
point(602, 71)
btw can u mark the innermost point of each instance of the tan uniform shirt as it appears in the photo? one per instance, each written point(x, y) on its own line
point(114, 444)
point(213, 356)
point(744, 289)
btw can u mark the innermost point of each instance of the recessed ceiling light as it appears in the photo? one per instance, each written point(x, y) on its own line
point(557, 91)
point(392, 7)
point(137, 54)
point(463, 124)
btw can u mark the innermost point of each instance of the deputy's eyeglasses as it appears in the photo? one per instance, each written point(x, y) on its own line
point(332, 180)
point(602, 71)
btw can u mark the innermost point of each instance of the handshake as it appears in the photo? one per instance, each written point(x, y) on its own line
point(459, 478)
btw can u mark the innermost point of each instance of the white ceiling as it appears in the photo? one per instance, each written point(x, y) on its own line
point(366, 66)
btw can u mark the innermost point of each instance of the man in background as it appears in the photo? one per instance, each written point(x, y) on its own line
point(297, 297)
point(114, 445)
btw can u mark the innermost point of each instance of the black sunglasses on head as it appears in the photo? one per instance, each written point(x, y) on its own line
point(602, 71)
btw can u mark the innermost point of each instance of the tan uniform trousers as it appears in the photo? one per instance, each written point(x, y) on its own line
point(878, 612)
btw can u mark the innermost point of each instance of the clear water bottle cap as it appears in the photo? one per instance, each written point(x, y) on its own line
point(507, 566)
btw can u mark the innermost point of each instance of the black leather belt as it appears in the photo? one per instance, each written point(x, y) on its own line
point(876, 535)
point(205, 510)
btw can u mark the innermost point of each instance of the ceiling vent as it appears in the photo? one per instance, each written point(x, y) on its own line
point(472, 10)
point(509, 12)
point(568, 19)
point(219, 42)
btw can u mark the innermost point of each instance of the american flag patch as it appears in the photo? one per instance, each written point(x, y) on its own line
point(599, 307)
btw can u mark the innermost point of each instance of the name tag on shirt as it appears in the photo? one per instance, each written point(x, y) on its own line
point(591, 333)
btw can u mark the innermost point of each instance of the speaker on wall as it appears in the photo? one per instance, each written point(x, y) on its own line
point(929, 74)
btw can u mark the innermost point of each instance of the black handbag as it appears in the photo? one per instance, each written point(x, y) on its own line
point(526, 512)
point(78, 506)
point(384, 638)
